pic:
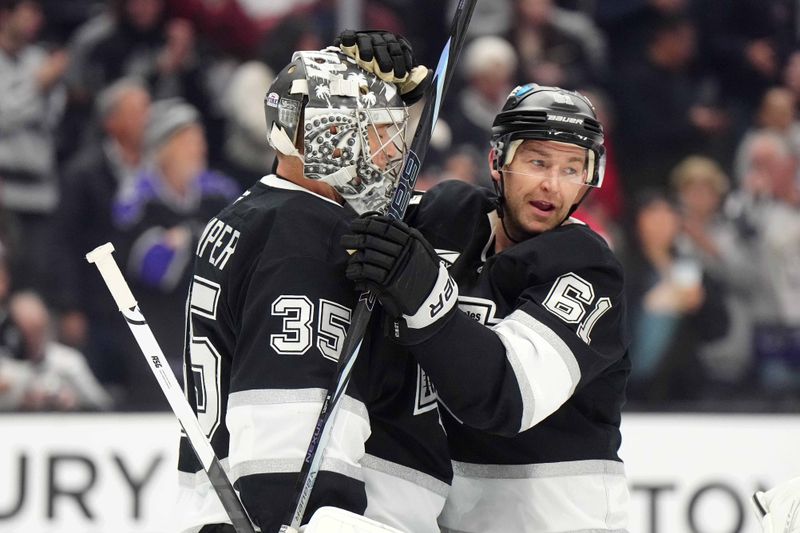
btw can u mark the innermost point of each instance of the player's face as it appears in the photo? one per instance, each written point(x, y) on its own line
point(542, 182)
point(384, 144)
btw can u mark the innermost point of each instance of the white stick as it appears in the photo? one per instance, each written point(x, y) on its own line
point(101, 257)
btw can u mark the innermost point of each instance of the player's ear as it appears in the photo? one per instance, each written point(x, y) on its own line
point(493, 165)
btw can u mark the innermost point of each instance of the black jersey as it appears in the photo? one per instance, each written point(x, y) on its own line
point(547, 403)
point(268, 310)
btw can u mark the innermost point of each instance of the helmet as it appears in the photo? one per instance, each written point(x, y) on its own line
point(549, 114)
point(325, 97)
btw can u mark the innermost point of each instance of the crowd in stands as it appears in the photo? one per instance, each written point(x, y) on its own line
point(135, 121)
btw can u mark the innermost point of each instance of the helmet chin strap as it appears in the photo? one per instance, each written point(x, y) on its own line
point(500, 189)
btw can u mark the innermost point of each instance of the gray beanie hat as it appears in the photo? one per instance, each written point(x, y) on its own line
point(166, 118)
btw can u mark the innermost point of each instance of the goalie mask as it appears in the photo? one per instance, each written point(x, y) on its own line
point(335, 107)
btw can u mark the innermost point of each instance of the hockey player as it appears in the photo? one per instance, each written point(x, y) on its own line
point(269, 308)
point(523, 335)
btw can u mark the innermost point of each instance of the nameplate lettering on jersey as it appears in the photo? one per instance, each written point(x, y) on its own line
point(480, 309)
point(218, 243)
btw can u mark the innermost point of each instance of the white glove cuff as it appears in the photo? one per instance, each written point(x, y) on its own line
point(440, 301)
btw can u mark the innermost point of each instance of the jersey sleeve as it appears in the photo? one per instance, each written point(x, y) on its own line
point(566, 326)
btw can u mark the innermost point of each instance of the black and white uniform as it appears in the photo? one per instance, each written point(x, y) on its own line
point(267, 313)
point(535, 400)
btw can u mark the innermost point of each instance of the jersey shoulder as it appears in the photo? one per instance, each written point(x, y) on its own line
point(274, 216)
point(452, 213)
point(451, 197)
point(569, 248)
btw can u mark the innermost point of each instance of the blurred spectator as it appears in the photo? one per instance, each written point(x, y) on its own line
point(791, 74)
point(49, 376)
point(488, 65)
point(557, 47)
point(712, 238)
point(661, 115)
point(10, 337)
point(768, 206)
point(131, 38)
point(626, 22)
point(294, 33)
point(777, 113)
point(674, 308)
point(246, 149)
point(135, 38)
point(742, 48)
point(461, 165)
point(30, 104)
point(268, 15)
point(488, 18)
point(88, 318)
point(14, 373)
point(226, 23)
point(62, 17)
point(765, 155)
point(439, 150)
point(161, 214)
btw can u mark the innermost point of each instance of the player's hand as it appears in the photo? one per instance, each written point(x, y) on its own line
point(402, 269)
point(388, 56)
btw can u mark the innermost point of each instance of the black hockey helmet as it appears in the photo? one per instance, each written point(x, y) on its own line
point(283, 106)
point(549, 114)
point(328, 98)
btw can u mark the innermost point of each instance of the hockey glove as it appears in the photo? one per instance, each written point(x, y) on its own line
point(401, 268)
point(388, 56)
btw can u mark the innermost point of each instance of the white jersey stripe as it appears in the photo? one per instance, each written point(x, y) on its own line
point(416, 477)
point(270, 431)
point(448, 530)
point(388, 483)
point(249, 398)
point(283, 466)
point(567, 468)
point(198, 478)
point(542, 498)
point(545, 367)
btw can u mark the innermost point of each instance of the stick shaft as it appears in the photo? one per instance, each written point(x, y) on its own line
point(109, 270)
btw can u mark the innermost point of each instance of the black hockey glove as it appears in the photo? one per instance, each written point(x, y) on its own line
point(388, 56)
point(401, 268)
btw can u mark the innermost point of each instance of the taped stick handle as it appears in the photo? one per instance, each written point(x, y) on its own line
point(101, 257)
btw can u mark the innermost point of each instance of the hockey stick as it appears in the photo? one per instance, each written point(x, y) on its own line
point(397, 208)
point(105, 263)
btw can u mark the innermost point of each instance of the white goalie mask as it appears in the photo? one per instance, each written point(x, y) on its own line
point(353, 126)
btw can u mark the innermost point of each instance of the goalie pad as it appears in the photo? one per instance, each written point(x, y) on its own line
point(779, 508)
point(335, 520)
